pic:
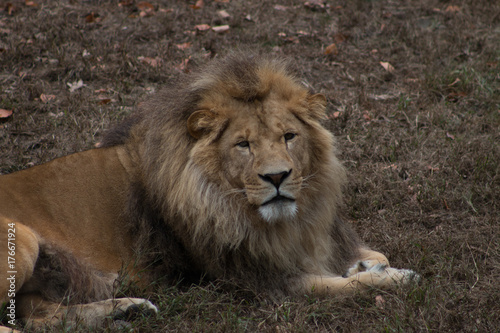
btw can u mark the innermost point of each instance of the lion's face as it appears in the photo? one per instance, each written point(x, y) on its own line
point(260, 148)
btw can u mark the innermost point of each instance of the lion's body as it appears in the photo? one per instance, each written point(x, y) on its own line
point(230, 175)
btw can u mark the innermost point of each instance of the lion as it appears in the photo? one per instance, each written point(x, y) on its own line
point(228, 175)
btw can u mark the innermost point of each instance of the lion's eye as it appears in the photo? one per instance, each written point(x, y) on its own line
point(243, 144)
point(289, 136)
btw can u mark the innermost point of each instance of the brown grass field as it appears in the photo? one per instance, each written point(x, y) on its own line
point(420, 138)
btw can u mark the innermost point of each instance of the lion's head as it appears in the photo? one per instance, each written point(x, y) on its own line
point(238, 163)
point(262, 146)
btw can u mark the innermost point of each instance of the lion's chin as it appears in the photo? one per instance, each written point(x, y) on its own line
point(278, 211)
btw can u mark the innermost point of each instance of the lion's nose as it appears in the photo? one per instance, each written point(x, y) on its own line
point(275, 178)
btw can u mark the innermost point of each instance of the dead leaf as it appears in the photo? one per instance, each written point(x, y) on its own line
point(145, 6)
point(455, 96)
point(248, 17)
point(182, 67)
point(198, 5)
point(183, 46)
point(165, 10)
point(316, 5)
point(47, 98)
point(340, 38)
point(366, 116)
point(92, 18)
point(223, 14)
point(432, 169)
point(222, 1)
point(332, 49)
point(56, 115)
point(221, 29)
point(75, 85)
point(280, 7)
point(30, 3)
point(9, 8)
point(452, 9)
point(202, 27)
point(457, 80)
point(387, 66)
point(379, 301)
point(125, 3)
point(451, 136)
point(153, 62)
point(105, 101)
point(5, 113)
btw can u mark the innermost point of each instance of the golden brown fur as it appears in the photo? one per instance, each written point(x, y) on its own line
point(229, 174)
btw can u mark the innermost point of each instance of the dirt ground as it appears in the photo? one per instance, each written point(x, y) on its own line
point(414, 100)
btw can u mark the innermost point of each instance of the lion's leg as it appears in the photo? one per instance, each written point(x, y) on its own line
point(378, 276)
point(19, 247)
point(367, 260)
point(38, 313)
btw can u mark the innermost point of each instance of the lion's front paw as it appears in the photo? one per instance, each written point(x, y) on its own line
point(402, 276)
point(129, 308)
point(363, 266)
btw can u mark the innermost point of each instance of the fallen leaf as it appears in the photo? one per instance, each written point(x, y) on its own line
point(105, 101)
point(92, 18)
point(457, 80)
point(331, 49)
point(432, 169)
point(221, 29)
point(222, 1)
point(56, 115)
point(387, 66)
point(248, 17)
point(223, 14)
point(452, 9)
point(455, 96)
point(153, 62)
point(166, 10)
point(125, 3)
point(379, 301)
point(316, 5)
point(340, 37)
point(280, 7)
point(5, 113)
point(47, 98)
point(9, 8)
point(199, 4)
point(202, 27)
point(382, 97)
point(183, 65)
point(75, 85)
point(183, 46)
point(366, 116)
point(451, 136)
point(145, 6)
point(30, 3)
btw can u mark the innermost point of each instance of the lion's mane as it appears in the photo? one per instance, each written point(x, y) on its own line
point(188, 222)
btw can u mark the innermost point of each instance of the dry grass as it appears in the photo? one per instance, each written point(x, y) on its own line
point(421, 143)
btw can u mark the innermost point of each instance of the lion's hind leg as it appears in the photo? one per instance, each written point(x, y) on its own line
point(90, 315)
point(19, 248)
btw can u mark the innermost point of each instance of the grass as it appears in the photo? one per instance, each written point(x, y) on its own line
point(421, 143)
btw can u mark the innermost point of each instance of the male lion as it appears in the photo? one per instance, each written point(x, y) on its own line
point(229, 175)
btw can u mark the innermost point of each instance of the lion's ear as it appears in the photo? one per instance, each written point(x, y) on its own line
point(204, 121)
point(317, 105)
